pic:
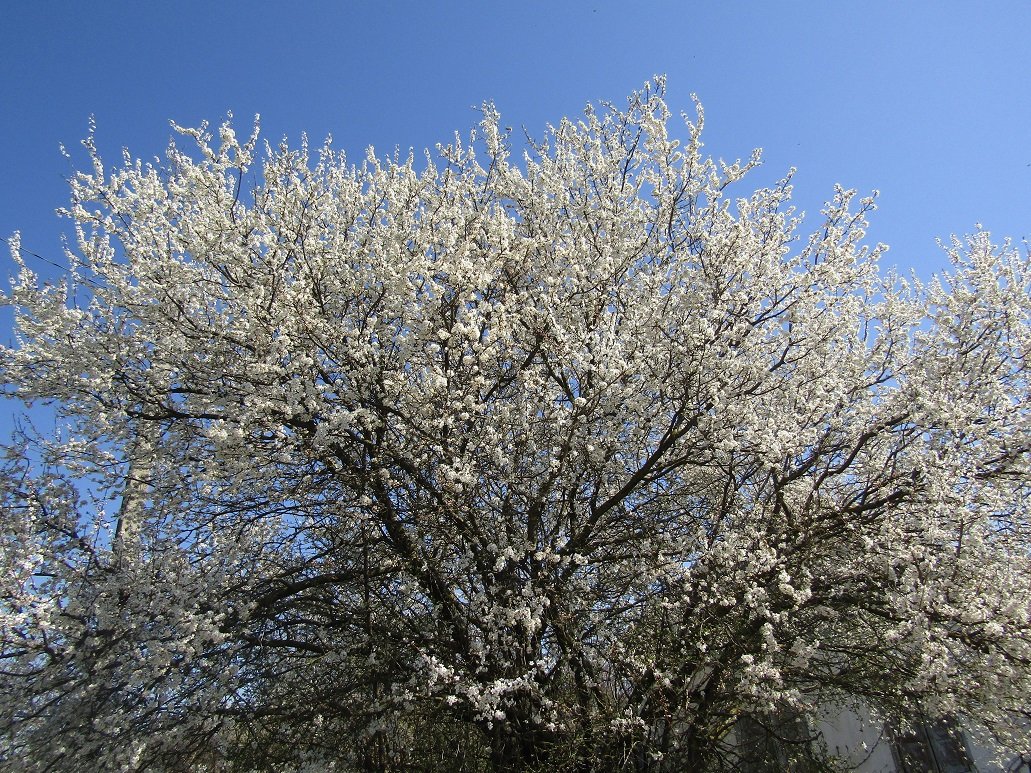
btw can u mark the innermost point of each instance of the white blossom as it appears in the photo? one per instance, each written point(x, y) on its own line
point(584, 454)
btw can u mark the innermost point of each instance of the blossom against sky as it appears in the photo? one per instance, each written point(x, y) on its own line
point(927, 102)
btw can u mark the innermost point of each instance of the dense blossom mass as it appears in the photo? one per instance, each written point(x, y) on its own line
point(471, 463)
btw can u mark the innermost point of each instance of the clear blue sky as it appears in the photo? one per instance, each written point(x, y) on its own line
point(929, 102)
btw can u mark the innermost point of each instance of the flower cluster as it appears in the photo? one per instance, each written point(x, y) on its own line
point(576, 454)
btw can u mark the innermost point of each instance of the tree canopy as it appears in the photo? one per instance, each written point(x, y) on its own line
point(473, 462)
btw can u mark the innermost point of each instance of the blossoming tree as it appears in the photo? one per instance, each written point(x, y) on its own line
point(572, 462)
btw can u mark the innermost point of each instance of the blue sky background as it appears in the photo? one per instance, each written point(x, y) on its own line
point(928, 102)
